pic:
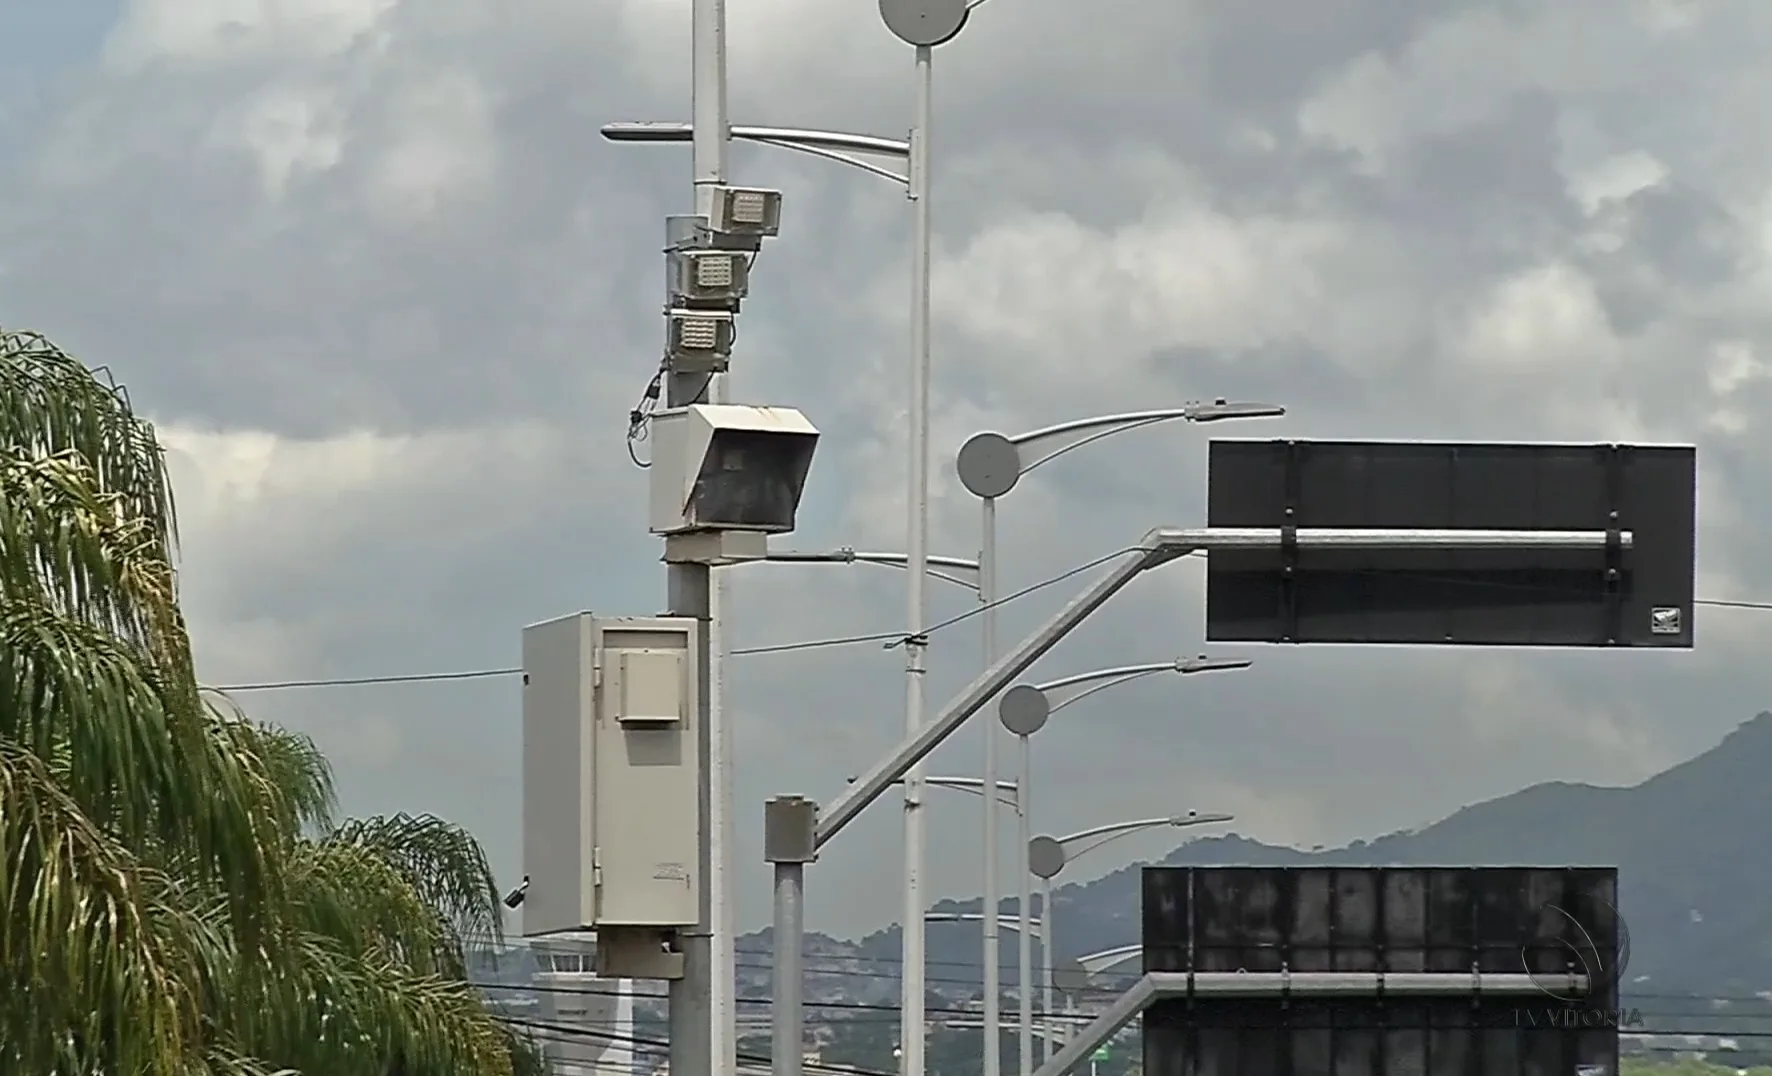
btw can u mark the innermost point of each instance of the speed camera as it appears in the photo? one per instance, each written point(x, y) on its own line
point(726, 467)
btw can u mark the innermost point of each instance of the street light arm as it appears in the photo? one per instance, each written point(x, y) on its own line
point(1157, 548)
point(1091, 839)
point(1010, 923)
point(797, 137)
point(1102, 679)
point(841, 158)
point(1008, 792)
point(1106, 682)
point(1098, 962)
point(1062, 438)
point(836, 146)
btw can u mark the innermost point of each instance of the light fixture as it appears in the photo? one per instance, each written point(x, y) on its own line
point(699, 335)
point(746, 211)
point(711, 275)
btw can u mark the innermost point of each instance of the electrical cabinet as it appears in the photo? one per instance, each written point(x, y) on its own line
point(611, 773)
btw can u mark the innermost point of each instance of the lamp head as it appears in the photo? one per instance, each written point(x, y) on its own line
point(1202, 663)
point(1220, 410)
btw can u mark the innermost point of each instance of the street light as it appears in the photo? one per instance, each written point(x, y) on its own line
point(989, 465)
point(1047, 856)
point(923, 24)
point(1023, 711)
point(852, 150)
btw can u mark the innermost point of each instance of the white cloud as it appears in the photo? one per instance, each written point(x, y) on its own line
point(230, 33)
point(393, 298)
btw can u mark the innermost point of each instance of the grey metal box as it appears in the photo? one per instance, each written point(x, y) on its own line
point(611, 776)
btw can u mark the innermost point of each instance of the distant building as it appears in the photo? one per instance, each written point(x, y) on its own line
point(586, 1023)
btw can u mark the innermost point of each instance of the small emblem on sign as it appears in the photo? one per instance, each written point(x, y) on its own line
point(1664, 620)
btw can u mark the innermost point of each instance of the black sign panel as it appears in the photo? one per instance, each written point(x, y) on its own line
point(1517, 921)
point(1641, 596)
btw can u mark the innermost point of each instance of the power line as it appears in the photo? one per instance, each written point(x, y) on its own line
point(890, 638)
point(662, 1045)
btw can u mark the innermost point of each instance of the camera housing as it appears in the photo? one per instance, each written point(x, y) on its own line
point(728, 467)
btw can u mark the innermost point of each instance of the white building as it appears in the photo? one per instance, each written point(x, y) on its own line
point(587, 1022)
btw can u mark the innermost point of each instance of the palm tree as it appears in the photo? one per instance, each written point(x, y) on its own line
point(178, 898)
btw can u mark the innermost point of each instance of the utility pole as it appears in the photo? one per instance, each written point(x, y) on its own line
point(691, 593)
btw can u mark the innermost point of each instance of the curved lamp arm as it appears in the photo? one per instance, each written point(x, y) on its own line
point(1008, 792)
point(1098, 962)
point(1102, 679)
point(1065, 436)
point(1091, 839)
point(829, 145)
point(1010, 922)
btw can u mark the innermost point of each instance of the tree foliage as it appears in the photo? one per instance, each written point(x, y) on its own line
point(179, 899)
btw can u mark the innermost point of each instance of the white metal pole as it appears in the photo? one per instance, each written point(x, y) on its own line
point(788, 1015)
point(1046, 961)
point(991, 926)
point(1024, 973)
point(691, 586)
point(722, 869)
point(911, 1035)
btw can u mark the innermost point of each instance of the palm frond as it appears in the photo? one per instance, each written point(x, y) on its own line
point(350, 894)
point(297, 773)
point(336, 1011)
point(107, 970)
point(177, 900)
point(442, 861)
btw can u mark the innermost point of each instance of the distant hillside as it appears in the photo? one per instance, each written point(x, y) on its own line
point(1691, 845)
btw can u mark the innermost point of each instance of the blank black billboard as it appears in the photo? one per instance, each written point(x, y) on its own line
point(1438, 919)
point(1640, 596)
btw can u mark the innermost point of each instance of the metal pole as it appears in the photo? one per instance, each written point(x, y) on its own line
point(1046, 961)
point(691, 1002)
point(689, 586)
point(992, 926)
point(917, 552)
point(1024, 974)
point(786, 1058)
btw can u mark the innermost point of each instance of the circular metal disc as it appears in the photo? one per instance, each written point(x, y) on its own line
point(924, 22)
point(1045, 857)
point(1023, 709)
point(1070, 977)
point(989, 465)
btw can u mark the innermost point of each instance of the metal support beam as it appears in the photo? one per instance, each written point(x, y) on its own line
point(1160, 986)
point(791, 136)
point(1157, 548)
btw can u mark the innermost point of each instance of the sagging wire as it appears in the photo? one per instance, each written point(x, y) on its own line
point(641, 416)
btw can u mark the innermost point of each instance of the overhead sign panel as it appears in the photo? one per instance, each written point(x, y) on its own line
point(1539, 924)
point(1639, 596)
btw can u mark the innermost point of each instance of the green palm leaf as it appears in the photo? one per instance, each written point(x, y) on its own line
point(178, 899)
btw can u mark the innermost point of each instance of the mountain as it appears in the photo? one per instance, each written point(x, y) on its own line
point(1691, 845)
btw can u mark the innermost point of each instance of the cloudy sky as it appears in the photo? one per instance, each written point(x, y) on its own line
point(391, 297)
